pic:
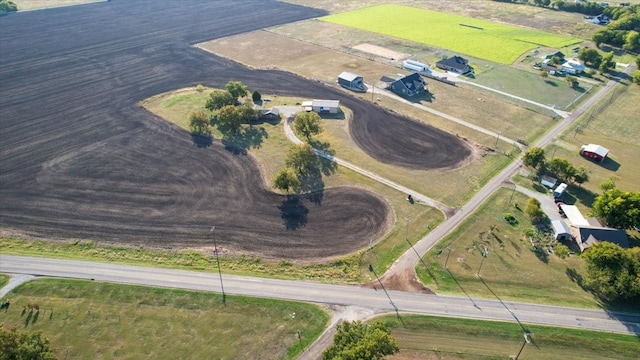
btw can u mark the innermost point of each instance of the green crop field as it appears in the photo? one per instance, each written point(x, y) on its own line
point(478, 38)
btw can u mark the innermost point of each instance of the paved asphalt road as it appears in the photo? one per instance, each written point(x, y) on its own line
point(326, 294)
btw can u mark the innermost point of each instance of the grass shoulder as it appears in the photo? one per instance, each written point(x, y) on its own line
point(96, 320)
point(450, 338)
point(4, 279)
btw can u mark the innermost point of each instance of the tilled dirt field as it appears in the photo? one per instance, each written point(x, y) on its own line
point(79, 158)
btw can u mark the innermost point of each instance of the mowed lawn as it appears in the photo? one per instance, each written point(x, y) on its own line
point(511, 270)
point(478, 38)
point(92, 320)
point(426, 337)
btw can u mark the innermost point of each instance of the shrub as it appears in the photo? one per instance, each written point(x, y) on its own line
point(510, 219)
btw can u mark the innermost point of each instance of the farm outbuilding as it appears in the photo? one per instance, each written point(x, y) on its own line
point(560, 230)
point(351, 81)
point(594, 152)
point(415, 66)
point(322, 106)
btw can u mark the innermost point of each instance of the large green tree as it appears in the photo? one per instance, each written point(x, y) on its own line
point(199, 122)
point(617, 208)
point(632, 41)
point(236, 89)
point(534, 210)
point(307, 124)
point(23, 345)
point(590, 57)
point(219, 99)
point(229, 119)
point(613, 273)
point(562, 169)
point(607, 63)
point(358, 341)
point(301, 159)
point(534, 157)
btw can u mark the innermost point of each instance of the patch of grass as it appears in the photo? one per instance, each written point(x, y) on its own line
point(478, 38)
point(512, 270)
point(4, 279)
point(450, 338)
point(613, 124)
point(92, 320)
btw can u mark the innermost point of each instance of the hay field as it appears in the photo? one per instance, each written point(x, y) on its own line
point(477, 38)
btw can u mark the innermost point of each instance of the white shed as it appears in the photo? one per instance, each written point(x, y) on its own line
point(324, 106)
point(560, 230)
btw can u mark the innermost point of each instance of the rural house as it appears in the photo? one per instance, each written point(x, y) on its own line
point(454, 64)
point(351, 81)
point(587, 236)
point(594, 152)
point(270, 114)
point(572, 66)
point(409, 85)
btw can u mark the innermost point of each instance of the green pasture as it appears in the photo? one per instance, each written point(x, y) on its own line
point(427, 337)
point(478, 38)
point(512, 269)
point(92, 320)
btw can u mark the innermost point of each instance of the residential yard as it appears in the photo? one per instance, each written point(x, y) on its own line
point(427, 337)
point(477, 38)
point(174, 107)
point(512, 270)
point(92, 320)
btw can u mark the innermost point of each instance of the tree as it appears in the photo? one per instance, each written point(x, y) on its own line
point(608, 184)
point(617, 208)
point(247, 113)
point(358, 341)
point(562, 169)
point(7, 6)
point(229, 119)
point(301, 158)
point(236, 89)
point(638, 62)
point(590, 57)
point(544, 74)
point(219, 99)
point(607, 63)
point(307, 124)
point(256, 97)
point(534, 157)
point(572, 80)
point(199, 123)
point(16, 344)
point(287, 179)
point(613, 273)
point(533, 210)
point(632, 41)
point(562, 251)
point(636, 77)
point(581, 175)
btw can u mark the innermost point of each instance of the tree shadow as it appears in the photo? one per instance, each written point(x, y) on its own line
point(316, 196)
point(541, 254)
point(28, 318)
point(311, 182)
point(293, 213)
point(327, 165)
point(575, 277)
point(239, 142)
point(551, 83)
point(202, 141)
point(586, 197)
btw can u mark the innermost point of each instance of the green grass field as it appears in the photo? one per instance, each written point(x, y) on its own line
point(512, 270)
point(4, 279)
point(478, 38)
point(91, 320)
point(426, 337)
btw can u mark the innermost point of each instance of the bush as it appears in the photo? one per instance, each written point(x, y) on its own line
point(562, 251)
point(510, 219)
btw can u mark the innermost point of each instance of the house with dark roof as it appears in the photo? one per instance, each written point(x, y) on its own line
point(409, 85)
point(454, 64)
point(587, 236)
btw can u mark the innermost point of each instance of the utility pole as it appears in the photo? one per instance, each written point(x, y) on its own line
point(447, 259)
point(484, 256)
point(383, 288)
point(512, 193)
point(215, 251)
point(527, 339)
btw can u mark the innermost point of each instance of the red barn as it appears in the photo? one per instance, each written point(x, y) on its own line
point(594, 152)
